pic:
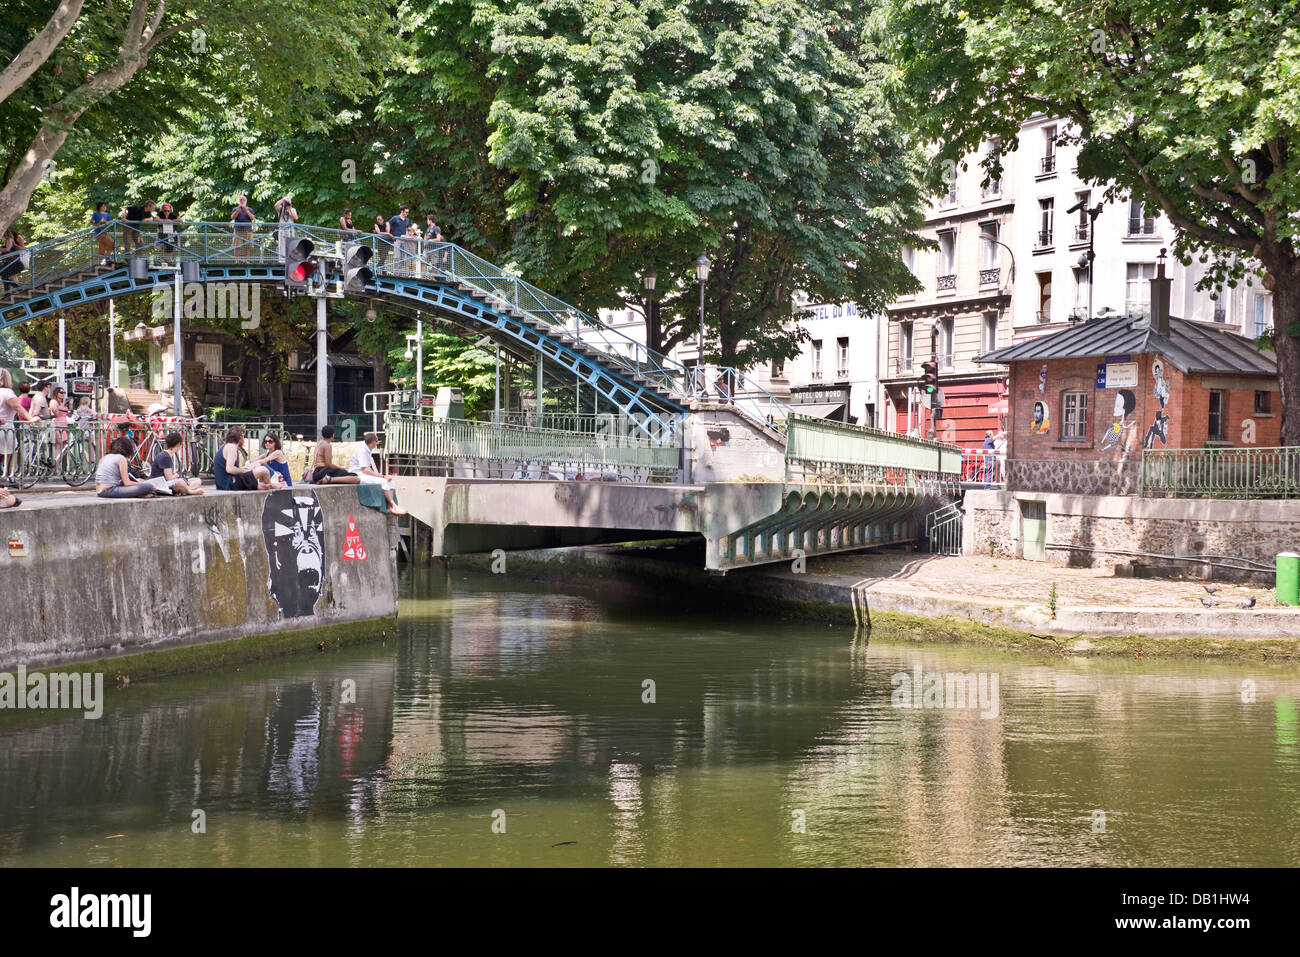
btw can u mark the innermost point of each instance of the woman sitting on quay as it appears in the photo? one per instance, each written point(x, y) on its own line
point(274, 459)
point(114, 480)
point(229, 476)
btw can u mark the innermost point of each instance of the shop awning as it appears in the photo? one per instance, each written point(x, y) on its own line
point(820, 410)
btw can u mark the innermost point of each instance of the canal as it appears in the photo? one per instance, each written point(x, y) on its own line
point(512, 723)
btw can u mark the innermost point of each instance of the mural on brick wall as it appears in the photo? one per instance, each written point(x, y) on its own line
point(1117, 434)
point(1042, 421)
point(1160, 427)
point(293, 530)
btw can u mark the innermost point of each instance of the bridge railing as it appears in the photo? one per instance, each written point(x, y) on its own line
point(821, 451)
point(228, 243)
point(1221, 473)
point(444, 446)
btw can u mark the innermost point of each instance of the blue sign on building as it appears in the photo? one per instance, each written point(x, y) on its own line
point(1101, 375)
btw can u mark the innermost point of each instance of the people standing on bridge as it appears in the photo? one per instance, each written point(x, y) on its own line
point(168, 230)
point(163, 467)
point(243, 217)
point(399, 227)
point(231, 476)
point(381, 247)
point(362, 465)
point(113, 479)
point(288, 216)
point(323, 470)
point(14, 257)
point(433, 235)
point(100, 219)
point(345, 222)
point(132, 217)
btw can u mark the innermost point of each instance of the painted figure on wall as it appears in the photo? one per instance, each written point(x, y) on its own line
point(1125, 403)
point(1042, 421)
point(293, 530)
point(1160, 427)
point(1042, 380)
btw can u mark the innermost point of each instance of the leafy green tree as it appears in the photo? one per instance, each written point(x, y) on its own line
point(1195, 111)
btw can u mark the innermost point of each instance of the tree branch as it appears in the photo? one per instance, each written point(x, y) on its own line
point(39, 49)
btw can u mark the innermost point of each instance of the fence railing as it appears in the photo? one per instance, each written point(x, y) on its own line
point(430, 446)
point(983, 467)
point(817, 450)
point(1221, 473)
point(263, 243)
point(68, 452)
point(943, 529)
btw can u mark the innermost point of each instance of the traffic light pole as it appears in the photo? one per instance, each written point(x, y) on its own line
point(322, 372)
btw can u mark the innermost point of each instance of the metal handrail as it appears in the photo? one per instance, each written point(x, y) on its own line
point(1272, 472)
point(399, 258)
point(816, 447)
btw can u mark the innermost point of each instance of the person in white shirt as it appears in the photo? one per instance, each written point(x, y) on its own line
point(11, 410)
point(362, 464)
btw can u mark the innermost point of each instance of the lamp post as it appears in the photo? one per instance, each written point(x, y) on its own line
point(648, 279)
point(415, 350)
point(702, 274)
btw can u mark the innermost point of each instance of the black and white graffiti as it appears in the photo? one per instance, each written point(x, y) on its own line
point(1160, 427)
point(293, 530)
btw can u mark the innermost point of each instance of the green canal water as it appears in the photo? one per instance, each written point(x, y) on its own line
point(508, 725)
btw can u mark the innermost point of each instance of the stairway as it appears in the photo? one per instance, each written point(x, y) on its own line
point(54, 285)
point(141, 399)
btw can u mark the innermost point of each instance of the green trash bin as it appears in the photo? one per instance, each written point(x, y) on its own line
point(1288, 578)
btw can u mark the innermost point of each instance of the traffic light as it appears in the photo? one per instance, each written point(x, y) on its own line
point(930, 377)
point(298, 266)
point(356, 274)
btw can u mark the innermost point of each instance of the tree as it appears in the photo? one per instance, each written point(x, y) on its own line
point(1193, 111)
point(276, 58)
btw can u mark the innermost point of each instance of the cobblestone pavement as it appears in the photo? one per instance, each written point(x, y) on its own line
point(1021, 581)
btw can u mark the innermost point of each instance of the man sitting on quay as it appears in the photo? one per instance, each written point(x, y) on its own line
point(362, 465)
point(227, 472)
point(163, 467)
point(323, 470)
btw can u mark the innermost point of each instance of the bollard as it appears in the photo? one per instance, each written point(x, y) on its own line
point(1288, 578)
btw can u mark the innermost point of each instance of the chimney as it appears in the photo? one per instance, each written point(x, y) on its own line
point(1160, 286)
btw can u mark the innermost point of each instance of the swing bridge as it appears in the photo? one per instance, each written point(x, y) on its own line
point(664, 450)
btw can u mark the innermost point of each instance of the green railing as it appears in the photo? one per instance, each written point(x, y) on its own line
point(1221, 473)
point(424, 444)
point(817, 450)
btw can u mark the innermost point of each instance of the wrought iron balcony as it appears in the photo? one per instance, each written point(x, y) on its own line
point(1141, 226)
point(990, 277)
point(1081, 231)
point(1048, 164)
point(947, 282)
point(1044, 239)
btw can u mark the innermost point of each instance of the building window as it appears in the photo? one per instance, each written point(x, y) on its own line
point(1263, 314)
point(992, 155)
point(1139, 222)
point(1262, 406)
point(1221, 303)
point(1217, 431)
point(1074, 416)
point(1048, 163)
point(945, 343)
point(1080, 310)
point(1044, 297)
point(842, 356)
point(989, 340)
point(904, 347)
point(909, 259)
point(1046, 222)
point(1082, 225)
point(778, 368)
point(989, 245)
point(1137, 289)
point(947, 254)
point(817, 359)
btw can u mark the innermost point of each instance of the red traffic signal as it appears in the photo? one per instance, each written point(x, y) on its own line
point(298, 266)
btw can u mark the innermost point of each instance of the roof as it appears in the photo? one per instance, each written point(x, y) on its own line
point(1191, 347)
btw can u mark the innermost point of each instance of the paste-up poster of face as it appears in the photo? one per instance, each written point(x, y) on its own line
point(293, 530)
point(1041, 422)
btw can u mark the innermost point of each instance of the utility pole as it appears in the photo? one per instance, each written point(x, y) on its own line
point(322, 371)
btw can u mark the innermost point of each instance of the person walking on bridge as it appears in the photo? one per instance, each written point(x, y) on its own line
point(100, 220)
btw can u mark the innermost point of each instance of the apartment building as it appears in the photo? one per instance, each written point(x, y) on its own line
point(962, 310)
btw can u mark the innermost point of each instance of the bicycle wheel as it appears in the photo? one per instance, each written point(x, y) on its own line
point(28, 472)
point(78, 462)
point(199, 459)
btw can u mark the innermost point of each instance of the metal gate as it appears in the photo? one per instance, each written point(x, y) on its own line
point(943, 530)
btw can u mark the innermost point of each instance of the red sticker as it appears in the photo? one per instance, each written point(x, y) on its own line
point(353, 550)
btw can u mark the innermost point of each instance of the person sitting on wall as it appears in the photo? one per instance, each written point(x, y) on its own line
point(275, 460)
point(362, 465)
point(112, 477)
point(323, 471)
point(163, 467)
point(229, 476)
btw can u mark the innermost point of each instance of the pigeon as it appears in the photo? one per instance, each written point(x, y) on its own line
point(1212, 591)
point(1248, 603)
point(1208, 603)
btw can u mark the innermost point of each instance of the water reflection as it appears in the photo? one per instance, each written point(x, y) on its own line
point(501, 697)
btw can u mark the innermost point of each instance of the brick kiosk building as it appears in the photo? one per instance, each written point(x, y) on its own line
point(1084, 402)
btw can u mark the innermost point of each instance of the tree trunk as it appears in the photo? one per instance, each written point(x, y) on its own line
point(276, 385)
point(1286, 313)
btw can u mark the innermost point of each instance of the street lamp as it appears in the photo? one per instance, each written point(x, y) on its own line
point(702, 274)
point(415, 350)
point(648, 279)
